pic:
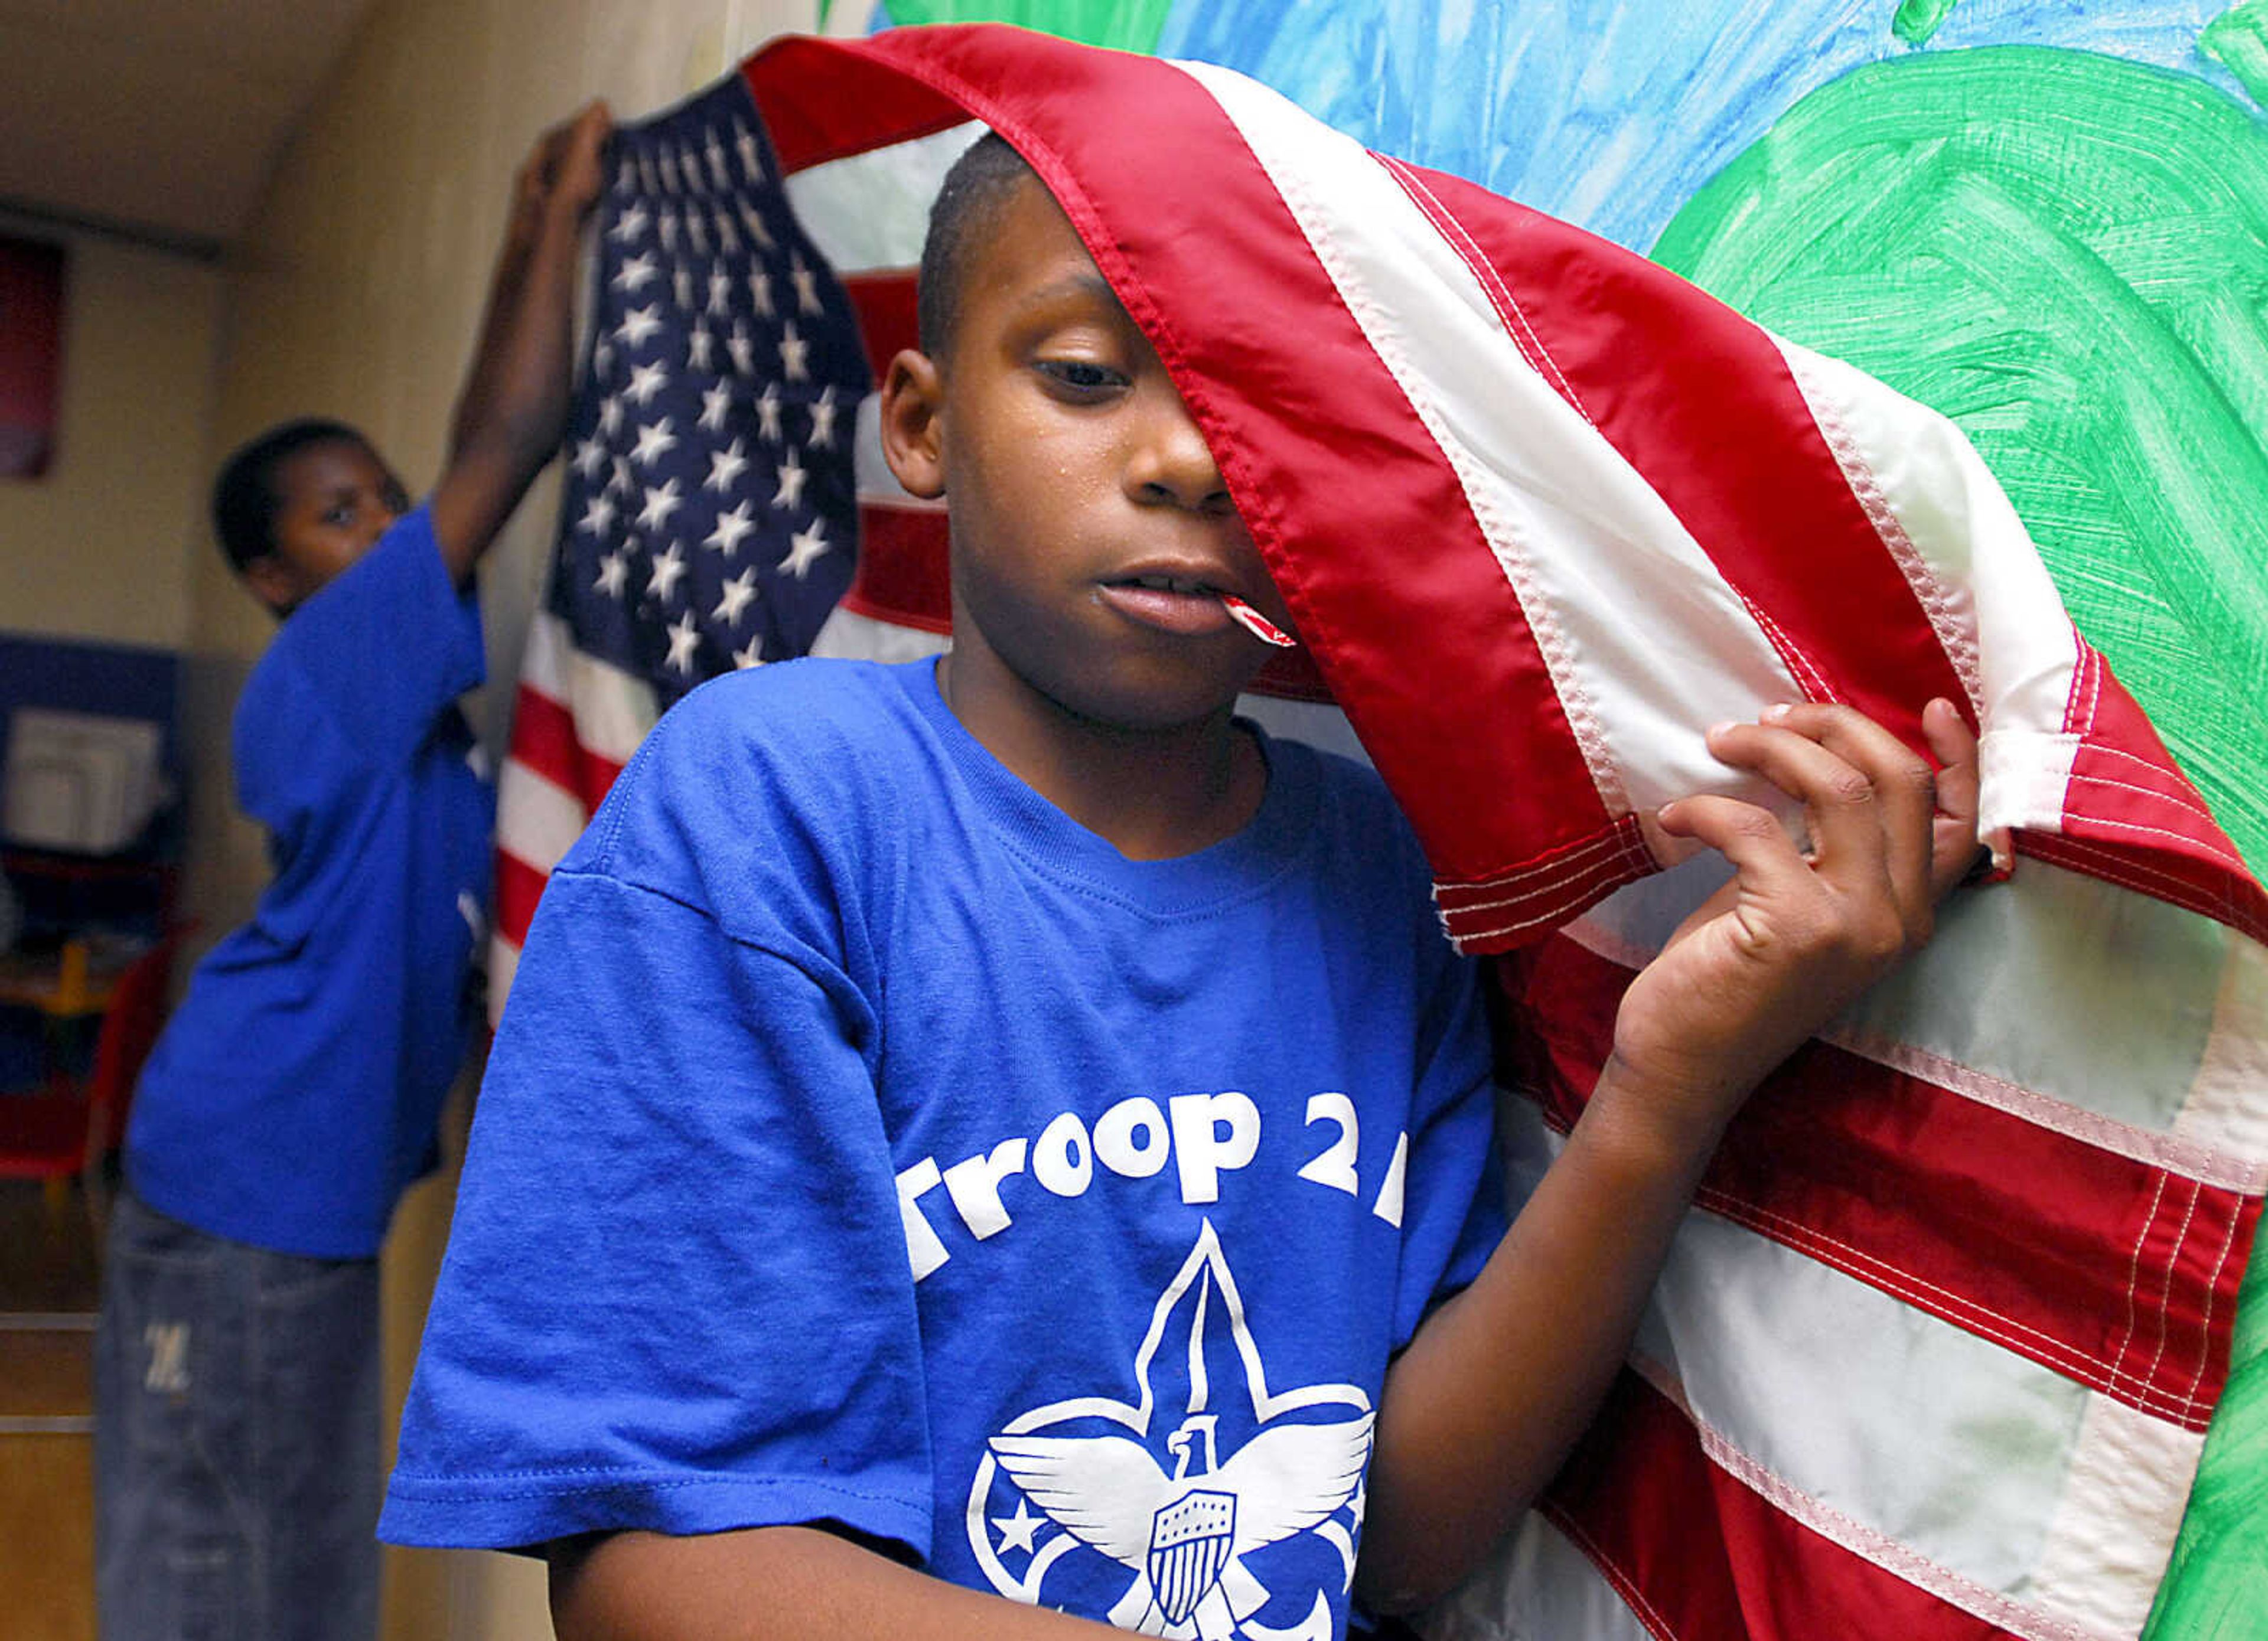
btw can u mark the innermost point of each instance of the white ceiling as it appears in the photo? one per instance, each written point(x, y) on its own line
point(160, 117)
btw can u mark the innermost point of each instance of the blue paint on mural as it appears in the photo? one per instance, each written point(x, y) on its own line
point(1611, 114)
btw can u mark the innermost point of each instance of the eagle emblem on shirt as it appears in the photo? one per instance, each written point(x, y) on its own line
point(1153, 1486)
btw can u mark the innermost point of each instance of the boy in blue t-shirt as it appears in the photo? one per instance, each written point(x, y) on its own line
point(297, 1090)
point(1002, 1127)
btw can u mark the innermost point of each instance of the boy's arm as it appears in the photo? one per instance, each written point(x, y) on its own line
point(513, 410)
point(1483, 1407)
point(775, 1583)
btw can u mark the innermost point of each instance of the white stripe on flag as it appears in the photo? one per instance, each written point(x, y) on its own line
point(612, 709)
point(2108, 1545)
point(2183, 1095)
point(1660, 669)
point(870, 211)
point(848, 636)
point(537, 820)
point(1975, 553)
point(1879, 1427)
point(1539, 1587)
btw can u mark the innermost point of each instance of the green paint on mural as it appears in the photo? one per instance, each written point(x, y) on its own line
point(1917, 19)
point(1127, 25)
point(2238, 40)
point(2068, 256)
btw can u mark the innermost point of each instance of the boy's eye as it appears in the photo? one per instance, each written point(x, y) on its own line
point(340, 515)
point(1081, 376)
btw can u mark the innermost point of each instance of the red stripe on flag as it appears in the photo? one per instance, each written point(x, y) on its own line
point(901, 576)
point(1396, 567)
point(884, 305)
point(518, 886)
point(2126, 792)
point(1699, 1555)
point(821, 102)
point(1646, 358)
point(2113, 1272)
point(543, 737)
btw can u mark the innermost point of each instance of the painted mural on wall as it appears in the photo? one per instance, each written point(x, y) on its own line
point(2048, 219)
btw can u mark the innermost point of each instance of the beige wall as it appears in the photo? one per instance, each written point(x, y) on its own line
point(355, 292)
point(100, 547)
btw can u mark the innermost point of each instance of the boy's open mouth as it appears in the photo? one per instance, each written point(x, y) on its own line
point(1189, 607)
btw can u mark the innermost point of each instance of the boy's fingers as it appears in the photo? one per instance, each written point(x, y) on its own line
point(1747, 836)
point(1954, 842)
point(1847, 818)
point(1903, 794)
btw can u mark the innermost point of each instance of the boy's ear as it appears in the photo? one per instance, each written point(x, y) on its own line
point(913, 424)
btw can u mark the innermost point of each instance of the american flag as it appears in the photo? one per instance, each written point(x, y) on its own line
point(709, 521)
point(1935, 1354)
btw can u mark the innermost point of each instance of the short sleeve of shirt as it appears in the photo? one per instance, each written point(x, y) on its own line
point(1454, 1204)
point(356, 678)
point(677, 1295)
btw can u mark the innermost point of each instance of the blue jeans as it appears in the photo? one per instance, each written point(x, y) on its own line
point(235, 1438)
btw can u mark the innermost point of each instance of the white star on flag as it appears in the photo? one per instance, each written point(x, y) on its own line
point(806, 286)
point(661, 578)
point(804, 550)
point(759, 229)
point(659, 504)
point(590, 456)
point(751, 155)
point(792, 475)
point(610, 416)
point(724, 466)
point(822, 420)
point(760, 292)
point(628, 225)
point(768, 412)
point(635, 272)
point(598, 514)
point(645, 381)
point(742, 347)
point(738, 592)
point(653, 443)
point(696, 230)
point(637, 324)
point(715, 402)
point(697, 345)
point(795, 355)
point(681, 286)
point(731, 526)
point(613, 574)
point(684, 636)
point(753, 656)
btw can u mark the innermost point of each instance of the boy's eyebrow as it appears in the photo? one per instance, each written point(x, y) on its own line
point(1089, 284)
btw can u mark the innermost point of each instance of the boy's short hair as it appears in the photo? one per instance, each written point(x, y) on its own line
point(974, 191)
point(244, 499)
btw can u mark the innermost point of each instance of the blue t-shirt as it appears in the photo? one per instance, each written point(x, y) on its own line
point(867, 1142)
point(297, 1088)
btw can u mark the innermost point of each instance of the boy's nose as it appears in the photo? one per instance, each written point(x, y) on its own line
point(1170, 463)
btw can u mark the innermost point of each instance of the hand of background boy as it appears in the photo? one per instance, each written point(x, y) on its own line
point(513, 411)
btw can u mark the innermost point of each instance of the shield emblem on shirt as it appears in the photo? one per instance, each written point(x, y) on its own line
point(1189, 1541)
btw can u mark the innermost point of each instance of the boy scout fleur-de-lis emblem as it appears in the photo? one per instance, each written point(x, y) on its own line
point(1184, 1534)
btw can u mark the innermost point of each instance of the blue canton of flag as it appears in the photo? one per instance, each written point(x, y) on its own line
point(710, 518)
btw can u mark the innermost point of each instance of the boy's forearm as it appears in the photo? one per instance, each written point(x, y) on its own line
point(776, 1583)
point(1483, 1407)
point(512, 409)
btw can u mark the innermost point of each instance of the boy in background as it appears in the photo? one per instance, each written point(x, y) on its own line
point(297, 1091)
point(1003, 1127)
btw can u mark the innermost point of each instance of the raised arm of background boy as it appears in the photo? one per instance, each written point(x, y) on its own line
point(513, 410)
